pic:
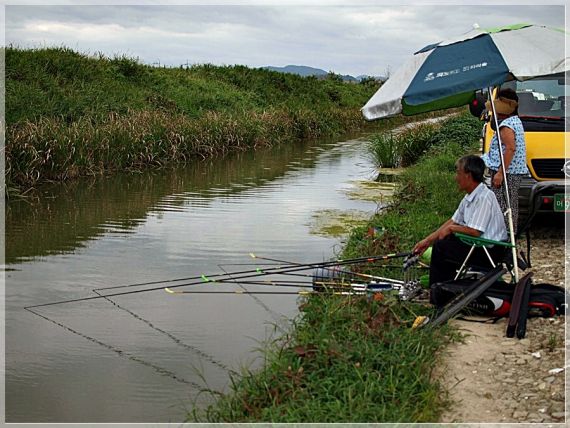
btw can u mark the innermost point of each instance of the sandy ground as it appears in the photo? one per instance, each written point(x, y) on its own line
point(493, 379)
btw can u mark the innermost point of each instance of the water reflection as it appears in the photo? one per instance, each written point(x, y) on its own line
point(123, 361)
point(61, 217)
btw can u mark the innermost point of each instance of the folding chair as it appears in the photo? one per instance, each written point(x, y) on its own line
point(476, 242)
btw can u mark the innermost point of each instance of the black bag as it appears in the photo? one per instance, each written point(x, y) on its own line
point(546, 300)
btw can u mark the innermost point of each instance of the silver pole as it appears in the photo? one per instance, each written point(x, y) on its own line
point(509, 212)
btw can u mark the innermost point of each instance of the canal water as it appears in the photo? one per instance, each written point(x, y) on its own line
point(145, 357)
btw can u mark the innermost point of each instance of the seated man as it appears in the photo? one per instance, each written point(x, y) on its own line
point(478, 215)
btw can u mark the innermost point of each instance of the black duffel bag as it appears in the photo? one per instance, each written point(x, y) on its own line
point(546, 300)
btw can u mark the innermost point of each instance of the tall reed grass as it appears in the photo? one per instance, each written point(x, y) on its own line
point(52, 149)
point(69, 114)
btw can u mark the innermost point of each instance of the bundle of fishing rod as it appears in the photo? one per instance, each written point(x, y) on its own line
point(339, 277)
point(340, 280)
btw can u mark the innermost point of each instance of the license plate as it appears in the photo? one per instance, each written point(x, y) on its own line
point(562, 202)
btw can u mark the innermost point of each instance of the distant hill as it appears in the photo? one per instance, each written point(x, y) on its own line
point(303, 70)
point(366, 76)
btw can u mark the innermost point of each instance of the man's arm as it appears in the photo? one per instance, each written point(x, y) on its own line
point(445, 229)
point(465, 230)
point(425, 243)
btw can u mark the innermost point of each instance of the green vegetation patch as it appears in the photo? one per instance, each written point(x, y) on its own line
point(373, 191)
point(336, 223)
point(391, 150)
point(349, 359)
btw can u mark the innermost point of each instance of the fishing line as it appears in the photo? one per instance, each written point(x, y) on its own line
point(255, 298)
point(160, 370)
point(176, 340)
point(246, 274)
point(273, 314)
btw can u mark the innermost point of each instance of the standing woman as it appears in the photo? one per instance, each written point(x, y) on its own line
point(514, 152)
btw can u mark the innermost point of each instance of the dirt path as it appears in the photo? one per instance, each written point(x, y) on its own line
point(494, 379)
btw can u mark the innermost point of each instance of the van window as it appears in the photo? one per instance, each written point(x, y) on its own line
point(542, 101)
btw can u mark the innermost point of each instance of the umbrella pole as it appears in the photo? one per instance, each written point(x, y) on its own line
point(509, 212)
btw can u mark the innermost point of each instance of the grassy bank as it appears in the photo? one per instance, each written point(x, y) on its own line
point(70, 115)
point(346, 360)
point(356, 359)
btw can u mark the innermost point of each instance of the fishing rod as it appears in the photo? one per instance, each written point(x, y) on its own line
point(348, 272)
point(164, 281)
point(299, 293)
point(243, 275)
point(341, 261)
point(317, 285)
point(368, 259)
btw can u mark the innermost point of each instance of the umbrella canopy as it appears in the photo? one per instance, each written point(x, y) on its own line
point(447, 74)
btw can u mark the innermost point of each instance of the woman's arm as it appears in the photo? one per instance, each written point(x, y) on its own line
point(508, 140)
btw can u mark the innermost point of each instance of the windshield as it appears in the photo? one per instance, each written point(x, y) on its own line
point(542, 97)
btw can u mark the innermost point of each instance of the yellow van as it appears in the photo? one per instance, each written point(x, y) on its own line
point(543, 112)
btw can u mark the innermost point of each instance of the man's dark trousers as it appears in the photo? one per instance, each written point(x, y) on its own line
point(448, 254)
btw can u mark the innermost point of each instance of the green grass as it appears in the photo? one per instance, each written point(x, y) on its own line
point(69, 114)
point(347, 360)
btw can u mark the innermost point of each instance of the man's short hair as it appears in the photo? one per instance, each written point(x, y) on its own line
point(473, 165)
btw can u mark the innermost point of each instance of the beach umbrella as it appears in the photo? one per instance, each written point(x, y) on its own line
point(447, 74)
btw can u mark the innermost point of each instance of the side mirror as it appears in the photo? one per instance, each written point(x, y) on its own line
point(477, 106)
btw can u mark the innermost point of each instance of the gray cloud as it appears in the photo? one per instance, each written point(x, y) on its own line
point(346, 39)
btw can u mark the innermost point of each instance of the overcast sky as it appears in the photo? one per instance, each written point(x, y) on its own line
point(347, 39)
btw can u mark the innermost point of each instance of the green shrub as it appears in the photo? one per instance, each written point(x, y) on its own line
point(385, 150)
point(463, 130)
point(390, 150)
point(416, 141)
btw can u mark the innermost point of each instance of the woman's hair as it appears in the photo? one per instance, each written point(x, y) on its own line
point(510, 94)
point(473, 165)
